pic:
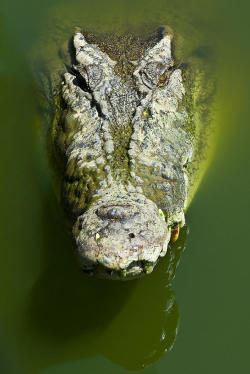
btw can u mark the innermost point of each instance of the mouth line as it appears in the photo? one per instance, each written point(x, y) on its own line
point(145, 267)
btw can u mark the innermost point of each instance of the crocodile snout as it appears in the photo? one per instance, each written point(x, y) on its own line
point(121, 238)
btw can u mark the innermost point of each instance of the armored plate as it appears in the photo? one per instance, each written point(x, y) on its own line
point(125, 135)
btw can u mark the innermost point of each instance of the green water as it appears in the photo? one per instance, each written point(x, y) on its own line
point(55, 320)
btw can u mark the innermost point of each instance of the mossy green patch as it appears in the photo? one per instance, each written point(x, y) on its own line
point(120, 161)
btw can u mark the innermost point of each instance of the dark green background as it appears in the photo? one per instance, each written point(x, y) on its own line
point(53, 320)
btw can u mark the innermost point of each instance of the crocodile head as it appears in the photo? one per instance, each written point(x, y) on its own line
point(126, 147)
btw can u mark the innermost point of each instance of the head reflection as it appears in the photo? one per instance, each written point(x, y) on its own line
point(147, 325)
point(131, 323)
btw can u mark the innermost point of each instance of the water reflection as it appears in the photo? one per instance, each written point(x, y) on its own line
point(147, 327)
point(72, 316)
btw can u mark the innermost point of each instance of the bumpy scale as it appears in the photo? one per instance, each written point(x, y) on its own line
point(126, 158)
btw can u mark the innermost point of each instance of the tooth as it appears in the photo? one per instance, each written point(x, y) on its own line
point(123, 273)
point(148, 269)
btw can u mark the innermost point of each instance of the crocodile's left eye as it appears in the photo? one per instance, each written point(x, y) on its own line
point(164, 78)
point(151, 73)
point(156, 73)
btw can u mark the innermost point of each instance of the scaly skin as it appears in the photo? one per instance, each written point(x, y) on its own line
point(126, 152)
point(130, 138)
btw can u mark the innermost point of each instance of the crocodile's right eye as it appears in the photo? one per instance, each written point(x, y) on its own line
point(94, 76)
point(91, 75)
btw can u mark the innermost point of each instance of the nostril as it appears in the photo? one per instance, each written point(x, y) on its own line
point(131, 235)
point(116, 212)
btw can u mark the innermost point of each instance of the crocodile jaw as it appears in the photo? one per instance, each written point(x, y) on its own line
point(121, 237)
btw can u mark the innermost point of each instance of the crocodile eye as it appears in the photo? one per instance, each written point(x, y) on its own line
point(94, 75)
point(151, 73)
point(156, 73)
point(90, 75)
point(164, 78)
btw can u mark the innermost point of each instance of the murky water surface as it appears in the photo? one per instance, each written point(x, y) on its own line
point(55, 320)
